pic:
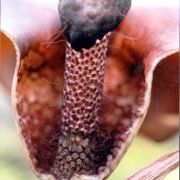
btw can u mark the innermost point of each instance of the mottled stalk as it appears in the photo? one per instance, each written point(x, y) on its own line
point(83, 85)
point(83, 145)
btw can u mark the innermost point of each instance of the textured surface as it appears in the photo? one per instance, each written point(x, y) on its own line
point(81, 155)
point(84, 145)
point(83, 86)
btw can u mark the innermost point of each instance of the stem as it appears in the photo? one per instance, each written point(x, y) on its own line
point(158, 168)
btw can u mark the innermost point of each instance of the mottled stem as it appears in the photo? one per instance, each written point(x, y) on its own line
point(83, 85)
point(158, 169)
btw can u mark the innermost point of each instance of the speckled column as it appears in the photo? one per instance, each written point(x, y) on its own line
point(83, 85)
point(83, 144)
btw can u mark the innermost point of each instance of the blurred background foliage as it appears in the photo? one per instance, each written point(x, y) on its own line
point(14, 164)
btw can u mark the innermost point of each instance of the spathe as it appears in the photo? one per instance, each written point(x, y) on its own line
point(145, 39)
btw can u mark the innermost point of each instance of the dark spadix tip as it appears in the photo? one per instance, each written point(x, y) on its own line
point(85, 21)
